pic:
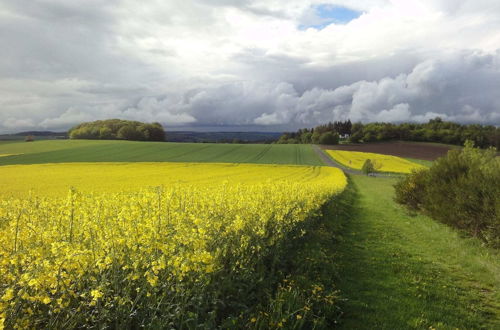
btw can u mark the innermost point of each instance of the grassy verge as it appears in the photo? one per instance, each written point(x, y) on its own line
point(306, 296)
point(369, 265)
point(399, 271)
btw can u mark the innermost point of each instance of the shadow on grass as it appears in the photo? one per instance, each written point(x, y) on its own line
point(390, 276)
point(306, 296)
point(365, 264)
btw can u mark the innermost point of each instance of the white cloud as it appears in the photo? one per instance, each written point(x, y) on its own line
point(400, 112)
point(268, 119)
point(242, 62)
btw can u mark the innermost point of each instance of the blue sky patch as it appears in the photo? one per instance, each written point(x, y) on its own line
point(328, 14)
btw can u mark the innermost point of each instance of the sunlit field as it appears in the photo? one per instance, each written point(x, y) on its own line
point(56, 179)
point(120, 244)
point(382, 163)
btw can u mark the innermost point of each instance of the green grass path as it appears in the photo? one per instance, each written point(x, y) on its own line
point(398, 271)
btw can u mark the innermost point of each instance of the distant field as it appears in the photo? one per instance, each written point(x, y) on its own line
point(57, 179)
point(68, 151)
point(383, 163)
point(415, 150)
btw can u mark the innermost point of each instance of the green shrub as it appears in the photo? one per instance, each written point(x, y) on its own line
point(410, 190)
point(368, 167)
point(461, 190)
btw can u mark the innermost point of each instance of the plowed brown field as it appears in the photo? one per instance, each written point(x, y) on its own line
point(418, 150)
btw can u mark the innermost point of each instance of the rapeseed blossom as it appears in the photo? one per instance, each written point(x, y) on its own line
point(115, 242)
point(382, 163)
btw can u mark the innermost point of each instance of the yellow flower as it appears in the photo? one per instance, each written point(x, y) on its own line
point(382, 163)
point(96, 294)
point(8, 295)
point(113, 222)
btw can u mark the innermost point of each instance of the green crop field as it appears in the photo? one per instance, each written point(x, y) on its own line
point(64, 151)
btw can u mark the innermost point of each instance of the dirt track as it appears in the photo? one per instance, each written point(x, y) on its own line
point(416, 150)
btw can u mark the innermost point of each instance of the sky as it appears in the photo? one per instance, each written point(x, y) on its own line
point(241, 65)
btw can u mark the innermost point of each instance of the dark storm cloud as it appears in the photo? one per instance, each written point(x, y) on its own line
point(230, 63)
point(459, 87)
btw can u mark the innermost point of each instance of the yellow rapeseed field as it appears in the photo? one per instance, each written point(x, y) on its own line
point(383, 163)
point(141, 241)
point(56, 179)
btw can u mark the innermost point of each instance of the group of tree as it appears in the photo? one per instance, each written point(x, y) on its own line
point(461, 189)
point(436, 130)
point(328, 134)
point(117, 129)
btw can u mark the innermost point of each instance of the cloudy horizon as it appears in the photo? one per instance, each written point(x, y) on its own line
point(263, 65)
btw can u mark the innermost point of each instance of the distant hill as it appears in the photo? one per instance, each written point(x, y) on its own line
point(41, 133)
point(223, 137)
point(38, 135)
point(176, 136)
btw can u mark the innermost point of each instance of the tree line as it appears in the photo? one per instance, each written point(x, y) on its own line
point(322, 134)
point(117, 129)
point(436, 130)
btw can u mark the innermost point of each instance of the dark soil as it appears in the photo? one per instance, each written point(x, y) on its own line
point(418, 150)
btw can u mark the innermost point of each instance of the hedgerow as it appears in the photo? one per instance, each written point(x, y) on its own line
point(461, 189)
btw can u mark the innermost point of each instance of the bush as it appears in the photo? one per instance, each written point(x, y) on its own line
point(368, 167)
point(461, 190)
point(410, 190)
point(29, 138)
